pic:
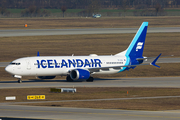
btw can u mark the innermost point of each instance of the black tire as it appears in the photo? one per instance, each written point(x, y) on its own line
point(19, 81)
point(68, 78)
point(91, 79)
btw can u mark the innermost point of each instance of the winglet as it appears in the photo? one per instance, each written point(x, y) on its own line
point(38, 53)
point(154, 62)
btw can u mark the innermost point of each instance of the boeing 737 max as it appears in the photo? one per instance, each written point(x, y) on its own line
point(82, 67)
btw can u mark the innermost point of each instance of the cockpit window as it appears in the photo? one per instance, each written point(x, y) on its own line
point(13, 63)
point(18, 63)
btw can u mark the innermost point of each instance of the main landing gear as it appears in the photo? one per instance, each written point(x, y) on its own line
point(19, 80)
point(90, 79)
point(68, 78)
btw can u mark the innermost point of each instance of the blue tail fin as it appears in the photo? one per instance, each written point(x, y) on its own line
point(135, 49)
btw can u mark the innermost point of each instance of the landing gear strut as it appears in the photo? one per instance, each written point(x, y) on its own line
point(90, 79)
point(19, 80)
point(68, 78)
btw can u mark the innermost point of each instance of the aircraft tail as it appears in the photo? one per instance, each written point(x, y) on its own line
point(135, 49)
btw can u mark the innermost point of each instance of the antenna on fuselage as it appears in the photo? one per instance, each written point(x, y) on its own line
point(38, 53)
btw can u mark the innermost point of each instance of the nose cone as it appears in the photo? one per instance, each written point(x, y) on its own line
point(9, 69)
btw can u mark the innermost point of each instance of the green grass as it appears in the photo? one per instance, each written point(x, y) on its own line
point(67, 11)
point(172, 10)
point(15, 10)
point(79, 10)
point(116, 10)
point(51, 10)
point(106, 10)
point(73, 10)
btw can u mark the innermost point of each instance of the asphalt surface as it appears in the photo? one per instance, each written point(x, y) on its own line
point(40, 32)
point(109, 82)
point(62, 113)
point(4, 64)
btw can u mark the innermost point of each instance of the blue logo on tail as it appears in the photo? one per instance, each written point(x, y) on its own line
point(135, 49)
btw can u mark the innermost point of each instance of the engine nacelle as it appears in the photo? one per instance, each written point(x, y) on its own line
point(46, 77)
point(79, 74)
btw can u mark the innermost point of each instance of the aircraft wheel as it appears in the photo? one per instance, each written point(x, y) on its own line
point(19, 81)
point(68, 78)
point(91, 79)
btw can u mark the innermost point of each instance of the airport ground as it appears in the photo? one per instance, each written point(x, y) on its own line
point(77, 22)
point(100, 98)
point(166, 43)
point(57, 110)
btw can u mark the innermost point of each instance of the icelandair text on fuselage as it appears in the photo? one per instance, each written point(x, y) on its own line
point(68, 63)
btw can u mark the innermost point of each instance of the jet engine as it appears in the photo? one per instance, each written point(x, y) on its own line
point(79, 74)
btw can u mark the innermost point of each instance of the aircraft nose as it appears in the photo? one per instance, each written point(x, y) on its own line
point(8, 69)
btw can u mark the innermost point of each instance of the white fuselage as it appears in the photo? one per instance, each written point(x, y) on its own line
point(61, 65)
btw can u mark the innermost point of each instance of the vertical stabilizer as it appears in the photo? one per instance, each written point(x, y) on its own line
point(135, 49)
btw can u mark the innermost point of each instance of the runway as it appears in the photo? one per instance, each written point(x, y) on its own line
point(40, 32)
point(170, 82)
point(63, 113)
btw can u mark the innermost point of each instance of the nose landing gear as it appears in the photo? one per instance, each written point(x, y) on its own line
point(19, 80)
point(18, 77)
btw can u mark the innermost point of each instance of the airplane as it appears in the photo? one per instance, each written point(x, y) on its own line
point(83, 67)
point(96, 15)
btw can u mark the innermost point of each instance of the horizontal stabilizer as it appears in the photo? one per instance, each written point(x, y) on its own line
point(145, 58)
point(154, 62)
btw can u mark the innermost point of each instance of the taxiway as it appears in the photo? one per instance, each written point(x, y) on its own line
point(171, 82)
point(40, 32)
point(62, 113)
